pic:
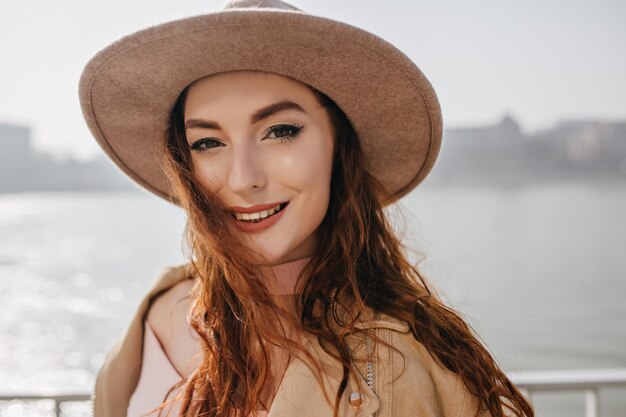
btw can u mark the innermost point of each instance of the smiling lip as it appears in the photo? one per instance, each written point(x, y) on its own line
point(266, 223)
point(254, 209)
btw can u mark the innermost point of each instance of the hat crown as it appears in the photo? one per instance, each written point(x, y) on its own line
point(259, 4)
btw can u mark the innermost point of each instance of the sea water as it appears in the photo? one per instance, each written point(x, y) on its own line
point(539, 272)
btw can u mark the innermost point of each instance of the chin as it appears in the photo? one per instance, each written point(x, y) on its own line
point(270, 257)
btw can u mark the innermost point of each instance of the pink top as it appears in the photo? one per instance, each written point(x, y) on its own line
point(158, 374)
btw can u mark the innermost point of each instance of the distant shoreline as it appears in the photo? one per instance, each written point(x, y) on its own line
point(474, 182)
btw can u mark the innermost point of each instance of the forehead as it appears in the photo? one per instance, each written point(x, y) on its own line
point(246, 90)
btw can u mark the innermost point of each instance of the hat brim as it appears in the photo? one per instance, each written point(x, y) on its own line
point(127, 89)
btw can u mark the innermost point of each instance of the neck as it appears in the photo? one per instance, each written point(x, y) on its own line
point(281, 279)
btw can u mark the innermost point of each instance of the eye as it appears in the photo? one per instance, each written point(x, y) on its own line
point(284, 132)
point(205, 145)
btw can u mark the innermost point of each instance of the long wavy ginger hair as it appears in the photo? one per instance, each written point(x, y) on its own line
point(235, 316)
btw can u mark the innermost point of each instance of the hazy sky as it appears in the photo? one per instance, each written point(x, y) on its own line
point(540, 60)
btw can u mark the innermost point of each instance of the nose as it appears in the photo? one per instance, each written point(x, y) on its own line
point(246, 170)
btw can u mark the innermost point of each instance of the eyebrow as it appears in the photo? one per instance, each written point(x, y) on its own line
point(257, 116)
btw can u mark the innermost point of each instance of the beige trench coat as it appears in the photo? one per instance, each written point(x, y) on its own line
point(423, 389)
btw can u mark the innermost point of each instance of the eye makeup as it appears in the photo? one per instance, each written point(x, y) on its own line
point(283, 133)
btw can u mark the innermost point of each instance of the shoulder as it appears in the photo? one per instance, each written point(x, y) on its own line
point(166, 306)
point(168, 317)
point(410, 377)
point(168, 292)
point(120, 372)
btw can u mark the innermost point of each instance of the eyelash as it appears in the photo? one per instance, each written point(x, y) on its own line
point(295, 129)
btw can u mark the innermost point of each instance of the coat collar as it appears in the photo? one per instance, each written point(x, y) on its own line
point(300, 394)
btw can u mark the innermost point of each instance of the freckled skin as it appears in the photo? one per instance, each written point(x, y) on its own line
point(250, 166)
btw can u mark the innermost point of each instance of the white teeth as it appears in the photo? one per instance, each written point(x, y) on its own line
point(258, 215)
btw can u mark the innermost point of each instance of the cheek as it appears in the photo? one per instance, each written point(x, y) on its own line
point(209, 175)
point(306, 168)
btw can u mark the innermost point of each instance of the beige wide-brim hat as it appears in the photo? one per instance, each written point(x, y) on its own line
point(128, 89)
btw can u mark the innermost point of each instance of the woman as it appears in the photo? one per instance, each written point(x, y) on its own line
point(282, 136)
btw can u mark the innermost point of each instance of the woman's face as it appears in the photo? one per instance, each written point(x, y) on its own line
point(262, 139)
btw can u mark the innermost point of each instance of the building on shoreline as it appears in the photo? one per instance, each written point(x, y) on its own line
point(495, 154)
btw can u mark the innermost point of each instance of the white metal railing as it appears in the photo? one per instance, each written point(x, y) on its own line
point(589, 381)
